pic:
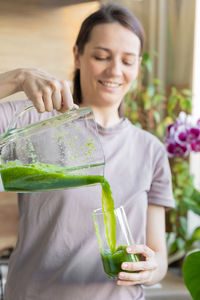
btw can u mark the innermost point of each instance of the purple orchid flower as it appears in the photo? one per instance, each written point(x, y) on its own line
point(182, 136)
point(193, 133)
point(177, 150)
point(195, 146)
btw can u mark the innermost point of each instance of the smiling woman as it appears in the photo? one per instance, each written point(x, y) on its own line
point(57, 253)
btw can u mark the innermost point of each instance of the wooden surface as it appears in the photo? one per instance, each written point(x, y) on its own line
point(8, 219)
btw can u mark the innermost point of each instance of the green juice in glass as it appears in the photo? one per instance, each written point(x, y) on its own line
point(112, 261)
point(45, 177)
point(114, 256)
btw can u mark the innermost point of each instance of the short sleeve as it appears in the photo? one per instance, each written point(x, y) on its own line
point(160, 192)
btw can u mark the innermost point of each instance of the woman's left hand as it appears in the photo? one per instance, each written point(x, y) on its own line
point(143, 269)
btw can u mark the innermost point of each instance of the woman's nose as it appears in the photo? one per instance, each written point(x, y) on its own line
point(115, 68)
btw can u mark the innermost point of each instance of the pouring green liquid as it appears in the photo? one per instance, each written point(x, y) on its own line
point(43, 177)
point(40, 177)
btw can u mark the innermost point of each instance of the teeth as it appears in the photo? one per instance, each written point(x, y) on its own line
point(110, 84)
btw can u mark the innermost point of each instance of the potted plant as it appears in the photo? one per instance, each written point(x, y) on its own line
point(155, 109)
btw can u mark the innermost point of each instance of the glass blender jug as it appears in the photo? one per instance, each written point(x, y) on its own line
point(61, 152)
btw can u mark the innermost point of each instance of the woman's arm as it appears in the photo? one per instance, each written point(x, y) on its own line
point(156, 240)
point(45, 91)
point(9, 83)
point(154, 266)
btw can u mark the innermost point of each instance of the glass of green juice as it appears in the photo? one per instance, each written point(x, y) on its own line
point(114, 236)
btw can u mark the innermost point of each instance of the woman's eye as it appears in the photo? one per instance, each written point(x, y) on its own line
point(128, 63)
point(101, 58)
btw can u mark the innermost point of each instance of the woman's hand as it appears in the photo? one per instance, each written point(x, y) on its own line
point(45, 91)
point(143, 269)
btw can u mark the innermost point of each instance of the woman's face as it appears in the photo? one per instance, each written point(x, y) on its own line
point(108, 65)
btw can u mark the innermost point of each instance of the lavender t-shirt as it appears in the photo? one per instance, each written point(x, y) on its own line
point(57, 255)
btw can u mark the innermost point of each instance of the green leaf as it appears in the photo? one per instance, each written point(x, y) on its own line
point(146, 101)
point(172, 103)
point(192, 205)
point(173, 247)
point(160, 130)
point(183, 208)
point(127, 98)
point(180, 243)
point(188, 103)
point(191, 274)
point(196, 196)
point(156, 81)
point(156, 116)
point(186, 92)
point(157, 98)
point(185, 104)
point(183, 223)
point(134, 105)
point(196, 234)
point(188, 190)
point(172, 217)
point(151, 90)
point(178, 192)
point(147, 61)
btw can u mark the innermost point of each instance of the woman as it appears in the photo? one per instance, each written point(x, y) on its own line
point(57, 254)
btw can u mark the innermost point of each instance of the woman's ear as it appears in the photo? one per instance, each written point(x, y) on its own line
point(76, 57)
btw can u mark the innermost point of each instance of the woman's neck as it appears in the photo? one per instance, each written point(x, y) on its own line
point(106, 116)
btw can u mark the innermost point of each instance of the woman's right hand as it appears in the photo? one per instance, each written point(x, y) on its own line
point(45, 91)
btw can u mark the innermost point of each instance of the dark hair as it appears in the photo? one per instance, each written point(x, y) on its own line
point(109, 13)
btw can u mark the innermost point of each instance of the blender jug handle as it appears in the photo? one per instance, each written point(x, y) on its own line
point(5, 137)
point(18, 115)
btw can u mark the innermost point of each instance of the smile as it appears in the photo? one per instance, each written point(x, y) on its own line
point(110, 84)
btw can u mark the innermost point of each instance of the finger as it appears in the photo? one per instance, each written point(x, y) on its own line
point(37, 101)
point(140, 277)
point(139, 266)
point(39, 105)
point(141, 249)
point(57, 100)
point(47, 99)
point(67, 100)
point(35, 96)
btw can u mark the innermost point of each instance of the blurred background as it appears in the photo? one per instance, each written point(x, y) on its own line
point(41, 34)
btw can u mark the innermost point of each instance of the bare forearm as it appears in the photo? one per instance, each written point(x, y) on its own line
point(10, 82)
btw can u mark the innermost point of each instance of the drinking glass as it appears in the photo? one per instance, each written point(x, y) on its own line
point(113, 231)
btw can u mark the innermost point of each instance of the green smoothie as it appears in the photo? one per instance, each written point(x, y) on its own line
point(108, 215)
point(41, 177)
point(112, 260)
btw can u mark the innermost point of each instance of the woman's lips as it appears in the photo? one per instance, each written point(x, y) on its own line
point(110, 84)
